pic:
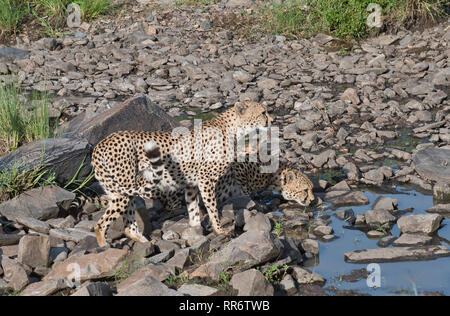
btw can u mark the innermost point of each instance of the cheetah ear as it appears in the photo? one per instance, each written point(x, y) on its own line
point(289, 177)
point(241, 108)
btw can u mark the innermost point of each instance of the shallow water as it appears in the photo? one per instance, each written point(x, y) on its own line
point(401, 278)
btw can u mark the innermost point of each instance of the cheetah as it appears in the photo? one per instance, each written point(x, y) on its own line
point(128, 164)
point(290, 183)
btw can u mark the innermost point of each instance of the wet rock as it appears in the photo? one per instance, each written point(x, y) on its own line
point(304, 276)
point(407, 240)
point(91, 266)
point(420, 223)
point(347, 215)
point(134, 114)
point(147, 286)
point(441, 191)
point(442, 209)
point(377, 176)
point(94, 289)
point(432, 164)
point(341, 186)
point(197, 290)
point(345, 198)
point(377, 218)
point(399, 254)
point(419, 182)
point(386, 241)
point(385, 203)
point(34, 251)
point(375, 234)
point(310, 245)
point(251, 283)
point(250, 249)
point(322, 230)
point(63, 155)
point(40, 203)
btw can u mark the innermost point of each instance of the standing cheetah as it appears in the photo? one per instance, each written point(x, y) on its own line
point(128, 164)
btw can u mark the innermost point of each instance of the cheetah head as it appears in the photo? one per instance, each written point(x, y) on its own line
point(295, 186)
point(252, 114)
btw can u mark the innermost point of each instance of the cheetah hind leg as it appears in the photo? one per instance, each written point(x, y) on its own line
point(115, 209)
point(131, 226)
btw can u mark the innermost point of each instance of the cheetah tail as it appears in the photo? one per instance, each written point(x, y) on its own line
point(154, 155)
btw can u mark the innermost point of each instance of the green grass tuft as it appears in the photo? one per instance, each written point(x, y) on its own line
point(343, 18)
point(13, 182)
point(23, 121)
point(11, 12)
point(50, 14)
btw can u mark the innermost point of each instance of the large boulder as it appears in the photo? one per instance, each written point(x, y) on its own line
point(420, 223)
point(63, 156)
point(433, 164)
point(249, 249)
point(134, 114)
point(39, 203)
point(88, 267)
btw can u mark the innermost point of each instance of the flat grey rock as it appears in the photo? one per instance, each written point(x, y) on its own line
point(12, 53)
point(441, 209)
point(433, 164)
point(398, 254)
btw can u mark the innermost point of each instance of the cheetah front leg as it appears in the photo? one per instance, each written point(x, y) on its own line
point(207, 186)
point(192, 201)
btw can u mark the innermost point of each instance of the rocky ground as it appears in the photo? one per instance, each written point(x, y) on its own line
point(377, 115)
